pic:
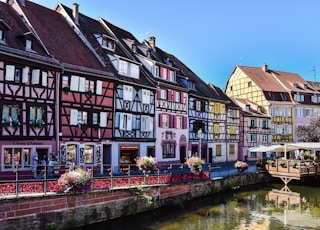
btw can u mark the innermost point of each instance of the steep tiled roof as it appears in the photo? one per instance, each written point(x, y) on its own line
point(223, 96)
point(89, 27)
point(14, 36)
point(276, 81)
point(58, 37)
point(253, 107)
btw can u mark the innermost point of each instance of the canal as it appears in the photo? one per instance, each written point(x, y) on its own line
point(263, 207)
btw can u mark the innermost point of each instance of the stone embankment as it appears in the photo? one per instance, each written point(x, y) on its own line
point(65, 211)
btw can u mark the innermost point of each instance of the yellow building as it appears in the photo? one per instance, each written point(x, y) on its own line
point(282, 95)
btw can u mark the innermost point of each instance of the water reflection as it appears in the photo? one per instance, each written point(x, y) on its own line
point(256, 208)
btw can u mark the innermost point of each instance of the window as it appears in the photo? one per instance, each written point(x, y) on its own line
point(249, 83)
point(253, 137)
point(1, 35)
point(145, 96)
point(65, 82)
point(36, 115)
point(283, 96)
point(10, 114)
point(164, 121)
point(163, 94)
point(191, 85)
point(231, 149)
point(200, 106)
point(178, 96)
point(155, 71)
point(298, 97)
point(89, 86)
point(264, 138)
point(102, 118)
point(146, 124)
point(272, 97)
point(179, 122)
point(128, 69)
point(82, 117)
point(71, 157)
point(28, 44)
point(17, 156)
point(86, 154)
point(253, 123)
point(127, 93)
point(218, 150)
point(125, 121)
point(265, 124)
point(247, 108)
point(108, 43)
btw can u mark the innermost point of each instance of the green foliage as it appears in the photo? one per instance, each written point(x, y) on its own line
point(140, 193)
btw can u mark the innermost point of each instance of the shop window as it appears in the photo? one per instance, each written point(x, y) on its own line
point(71, 156)
point(17, 157)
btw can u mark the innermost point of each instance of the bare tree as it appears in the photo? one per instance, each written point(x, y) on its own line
point(311, 132)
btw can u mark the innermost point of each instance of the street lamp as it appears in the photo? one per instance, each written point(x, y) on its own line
point(200, 135)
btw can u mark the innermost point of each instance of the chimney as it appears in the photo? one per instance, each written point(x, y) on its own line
point(265, 68)
point(75, 12)
point(152, 42)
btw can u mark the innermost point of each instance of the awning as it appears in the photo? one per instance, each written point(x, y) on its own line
point(127, 148)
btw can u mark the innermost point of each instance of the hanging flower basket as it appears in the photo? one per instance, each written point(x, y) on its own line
point(241, 166)
point(78, 180)
point(195, 164)
point(147, 164)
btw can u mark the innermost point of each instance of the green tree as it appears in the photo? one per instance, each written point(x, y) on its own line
point(310, 133)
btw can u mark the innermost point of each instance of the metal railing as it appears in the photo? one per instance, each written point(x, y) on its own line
point(24, 182)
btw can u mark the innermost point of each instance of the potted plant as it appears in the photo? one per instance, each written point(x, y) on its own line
point(147, 164)
point(77, 180)
point(195, 164)
point(241, 166)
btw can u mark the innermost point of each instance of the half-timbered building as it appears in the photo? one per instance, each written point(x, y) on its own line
point(255, 129)
point(85, 89)
point(28, 82)
point(223, 128)
point(171, 101)
point(134, 93)
point(286, 97)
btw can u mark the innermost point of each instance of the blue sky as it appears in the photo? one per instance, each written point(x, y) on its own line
point(214, 36)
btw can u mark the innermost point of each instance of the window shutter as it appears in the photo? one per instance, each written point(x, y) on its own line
point(160, 120)
point(35, 76)
point(134, 70)
point(99, 87)
point(82, 84)
point(25, 73)
point(73, 117)
point(121, 118)
point(127, 93)
point(103, 119)
point(44, 79)
point(123, 67)
point(174, 121)
point(129, 121)
point(168, 74)
point(170, 94)
point(74, 84)
point(10, 72)
point(185, 122)
point(150, 119)
point(145, 96)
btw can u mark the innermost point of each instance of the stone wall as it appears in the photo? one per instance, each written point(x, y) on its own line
point(59, 211)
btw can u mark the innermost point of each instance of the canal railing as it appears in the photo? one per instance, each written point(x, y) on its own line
point(128, 176)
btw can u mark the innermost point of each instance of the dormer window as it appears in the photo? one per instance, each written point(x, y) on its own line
point(1, 35)
point(191, 85)
point(28, 44)
point(283, 96)
point(247, 108)
point(259, 109)
point(134, 48)
point(295, 85)
point(305, 86)
point(272, 97)
point(3, 27)
point(106, 41)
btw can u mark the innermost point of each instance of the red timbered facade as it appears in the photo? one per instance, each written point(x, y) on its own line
point(28, 80)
